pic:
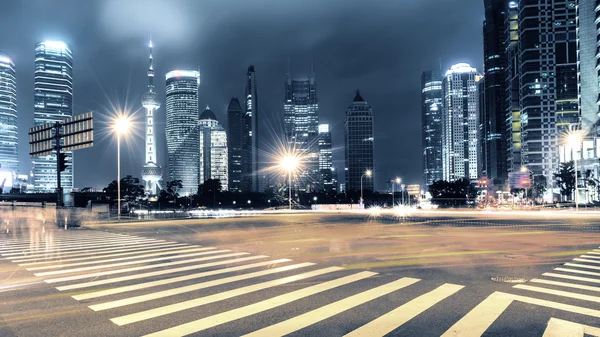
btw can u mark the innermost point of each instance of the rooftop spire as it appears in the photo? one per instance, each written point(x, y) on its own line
point(150, 69)
point(358, 97)
point(288, 74)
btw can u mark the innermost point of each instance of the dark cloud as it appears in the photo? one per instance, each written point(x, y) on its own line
point(378, 46)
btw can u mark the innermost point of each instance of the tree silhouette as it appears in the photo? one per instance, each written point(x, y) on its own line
point(131, 189)
point(540, 185)
point(565, 178)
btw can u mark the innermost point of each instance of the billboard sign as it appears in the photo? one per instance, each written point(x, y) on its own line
point(41, 140)
point(519, 180)
point(78, 132)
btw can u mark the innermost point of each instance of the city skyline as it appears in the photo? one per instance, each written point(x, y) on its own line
point(107, 65)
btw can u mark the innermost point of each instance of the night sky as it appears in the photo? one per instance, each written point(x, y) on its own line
point(378, 46)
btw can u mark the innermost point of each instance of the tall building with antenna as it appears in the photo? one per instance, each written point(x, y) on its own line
point(250, 164)
point(301, 109)
point(151, 172)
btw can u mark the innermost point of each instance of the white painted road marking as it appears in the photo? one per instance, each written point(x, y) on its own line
point(151, 266)
point(330, 310)
point(235, 314)
point(173, 308)
point(150, 284)
point(561, 328)
point(404, 313)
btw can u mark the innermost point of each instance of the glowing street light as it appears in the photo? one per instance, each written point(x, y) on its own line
point(368, 173)
point(574, 139)
point(121, 126)
point(289, 164)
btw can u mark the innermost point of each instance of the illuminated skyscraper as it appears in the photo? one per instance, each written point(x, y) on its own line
point(511, 87)
point(431, 114)
point(182, 128)
point(325, 158)
point(302, 126)
point(151, 172)
point(250, 159)
point(235, 132)
point(52, 102)
point(213, 149)
point(493, 112)
point(588, 62)
point(359, 144)
point(9, 152)
point(460, 121)
point(548, 84)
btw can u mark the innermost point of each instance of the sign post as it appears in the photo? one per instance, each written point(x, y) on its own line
point(60, 137)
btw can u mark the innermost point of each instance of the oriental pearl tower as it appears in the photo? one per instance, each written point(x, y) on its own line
point(151, 172)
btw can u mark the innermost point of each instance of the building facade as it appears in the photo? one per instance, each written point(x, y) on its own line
point(326, 159)
point(9, 140)
point(548, 85)
point(52, 102)
point(213, 149)
point(359, 144)
point(511, 87)
point(235, 136)
point(431, 114)
point(151, 172)
point(301, 117)
point(460, 122)
point(588, 63)
point(492, 119)
point(182, 128)
point(250, 158)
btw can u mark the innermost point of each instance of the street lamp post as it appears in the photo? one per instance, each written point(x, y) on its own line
point(394, 182)
point(402, 192)
point(121, 126)
point(574, 141)
point(289, 163)
point(368, 173)
point(532, 184)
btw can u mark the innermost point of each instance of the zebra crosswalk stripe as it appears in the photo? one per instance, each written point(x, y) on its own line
point(571, 277)
point(478, 320)
point(330, 310)
point(577, 271)
point(203, 285)
point(165, 248)
point(166, 256)
point(235, 314)
point(173, 308)
point(170, 271)
point(83, 248)
point(559, 293)
point(561, 328)
point(150, 284)
point(404, 313)
point(90, 252)
point(578, 265)
point(566, 284)
point(65, 239)
point(74, 244)
point(144, 267)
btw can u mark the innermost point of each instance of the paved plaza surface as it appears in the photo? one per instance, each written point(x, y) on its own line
point(306, 274)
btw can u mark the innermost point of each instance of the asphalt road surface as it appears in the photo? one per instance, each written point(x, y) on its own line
point(421, 274)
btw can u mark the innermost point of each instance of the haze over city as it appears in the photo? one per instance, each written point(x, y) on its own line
point(109, 41)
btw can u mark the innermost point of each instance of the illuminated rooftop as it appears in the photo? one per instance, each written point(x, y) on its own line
point(183, 73)
point(5, 59)
point(461, 68)
point(55, 45)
